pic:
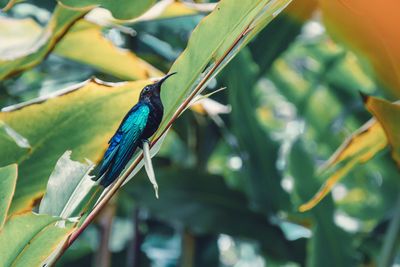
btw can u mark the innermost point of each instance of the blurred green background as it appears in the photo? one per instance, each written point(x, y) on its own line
point(233, 172)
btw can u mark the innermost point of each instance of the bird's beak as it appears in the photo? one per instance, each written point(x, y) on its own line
point(166, 77)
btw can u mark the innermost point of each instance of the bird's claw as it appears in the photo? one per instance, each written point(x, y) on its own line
point(144, 141)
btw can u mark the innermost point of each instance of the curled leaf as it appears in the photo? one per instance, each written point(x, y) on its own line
point(388, 115)
point(360, 147)
point(149, 167)
point(20, 56)
point(68, 185)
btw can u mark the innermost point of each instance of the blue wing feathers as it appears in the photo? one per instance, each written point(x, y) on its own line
point(114, 141)
point(123, 144)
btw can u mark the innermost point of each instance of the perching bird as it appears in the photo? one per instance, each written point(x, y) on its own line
point(139, 123)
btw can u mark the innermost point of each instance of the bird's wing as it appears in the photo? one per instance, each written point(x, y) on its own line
point(116, 139)
point(124, 142)
point(133, 129)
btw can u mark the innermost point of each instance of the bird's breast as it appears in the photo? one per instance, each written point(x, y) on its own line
point(153, 121)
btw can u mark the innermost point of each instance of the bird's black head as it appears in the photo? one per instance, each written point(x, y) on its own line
point(153, 90)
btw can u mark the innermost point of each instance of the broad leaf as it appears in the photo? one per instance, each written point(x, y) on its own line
point(28, 239)
point(68, 185)
point(175, 9)
point(82, 121)
point(328, 240)
point(263, 178)
point(8, 179)
point(84, 43)
point(17, 58)
point(209, 49)
point(17, 35)
point(212, 47)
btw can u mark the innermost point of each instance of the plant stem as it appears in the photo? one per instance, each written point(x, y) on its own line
point(201, 84)
point(133, 259)
point(392, 239)
point(188, 249)
point(103, 255)
point(104, 201)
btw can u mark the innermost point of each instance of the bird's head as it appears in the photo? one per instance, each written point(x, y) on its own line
point(153, 90)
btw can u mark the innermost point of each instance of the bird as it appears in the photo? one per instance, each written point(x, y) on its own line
point(140, 123)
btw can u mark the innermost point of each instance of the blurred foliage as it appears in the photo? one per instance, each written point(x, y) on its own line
point(295, 174)
point(375, 38)
point(27, 53)
point(84, 42)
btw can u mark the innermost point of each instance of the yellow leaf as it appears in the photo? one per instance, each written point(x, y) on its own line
point(198, 108)
point(177, 9)
point(85, 43)
point(81, 120)
point(388, 114)
point(301, 10)
point(369, 28)
point(360, 147)
point(29, 52)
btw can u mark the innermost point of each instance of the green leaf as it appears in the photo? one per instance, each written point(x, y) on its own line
point(84, 43)
point(121, 9)
point(328, 240)
point(7, 4)
point(8, 179)
point(28, 239)
point(209, 43)
point(263, 178)
point(68, 185)
point(280, 33)
point(203, 203)
point(8, 133)
point(211, 47)
point(25, 53)
point(82, 121)
point(388, 115)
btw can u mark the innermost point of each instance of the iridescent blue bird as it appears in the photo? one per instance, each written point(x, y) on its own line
point(139, 123)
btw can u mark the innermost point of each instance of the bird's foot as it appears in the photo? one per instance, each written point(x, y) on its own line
point(144, 141)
